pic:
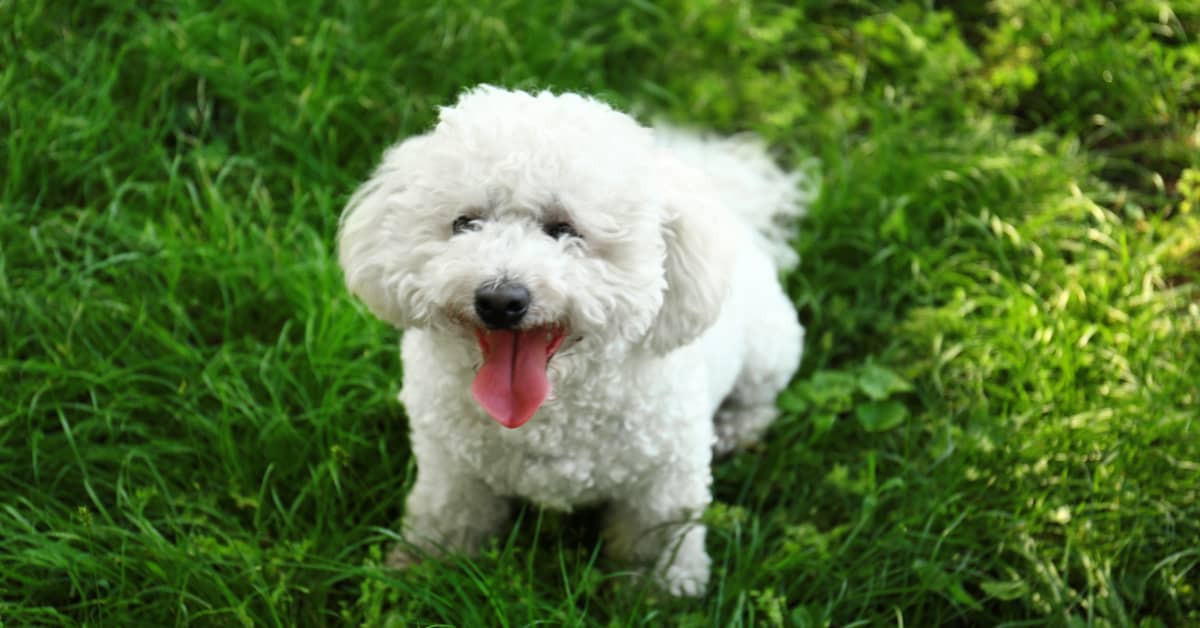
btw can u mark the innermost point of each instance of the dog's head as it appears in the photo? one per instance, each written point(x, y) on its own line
point(530, 222)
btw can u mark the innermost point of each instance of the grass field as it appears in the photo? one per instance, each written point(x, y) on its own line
point(998, 416)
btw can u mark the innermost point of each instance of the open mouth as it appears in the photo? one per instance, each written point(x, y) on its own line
point(512, 384)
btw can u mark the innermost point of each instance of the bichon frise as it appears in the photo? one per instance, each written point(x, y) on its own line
point(591, 309)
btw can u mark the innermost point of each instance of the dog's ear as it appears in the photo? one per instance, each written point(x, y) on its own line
point(700, 243)
point(369, 230)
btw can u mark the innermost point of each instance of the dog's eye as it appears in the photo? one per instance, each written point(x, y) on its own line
point(465, 223)
point(560, 230)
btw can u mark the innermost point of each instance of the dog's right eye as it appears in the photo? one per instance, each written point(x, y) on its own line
point(465, 223)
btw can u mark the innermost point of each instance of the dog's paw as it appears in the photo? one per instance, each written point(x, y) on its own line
point(683, 581)
point(741, 428)
point(684, 573)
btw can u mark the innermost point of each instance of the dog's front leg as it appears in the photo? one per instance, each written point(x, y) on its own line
point(657, 527)
point(448, 510)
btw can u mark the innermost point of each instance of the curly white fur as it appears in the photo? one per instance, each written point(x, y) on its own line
point(678, 336)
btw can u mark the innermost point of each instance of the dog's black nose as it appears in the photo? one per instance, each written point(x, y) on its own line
point(503, 305)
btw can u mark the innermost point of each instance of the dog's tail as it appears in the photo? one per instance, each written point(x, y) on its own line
point(751, 184)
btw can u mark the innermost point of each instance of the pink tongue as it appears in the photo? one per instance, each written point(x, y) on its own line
point(512, 383)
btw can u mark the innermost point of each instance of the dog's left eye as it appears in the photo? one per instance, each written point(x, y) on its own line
point(560, 230)
point(465, 223)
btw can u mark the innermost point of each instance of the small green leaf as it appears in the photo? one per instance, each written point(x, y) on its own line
point(792, 401)
point(960, 595)
point(1007, 591)
point(879, 383)
point(880, 416)
point(892, 484)
point(895, 226)
point(803, 617)
point(830, 387)
point(822, 423)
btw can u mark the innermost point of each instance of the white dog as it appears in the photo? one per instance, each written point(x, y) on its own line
point(592, 310)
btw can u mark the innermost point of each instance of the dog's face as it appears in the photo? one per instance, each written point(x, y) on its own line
point(530, 223)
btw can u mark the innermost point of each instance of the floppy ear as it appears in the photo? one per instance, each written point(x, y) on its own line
point(700, 240)
point(370, 227)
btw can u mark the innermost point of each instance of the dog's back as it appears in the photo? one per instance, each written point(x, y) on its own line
point(750, 184)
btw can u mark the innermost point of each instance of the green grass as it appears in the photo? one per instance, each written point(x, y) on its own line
point(997, 420)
